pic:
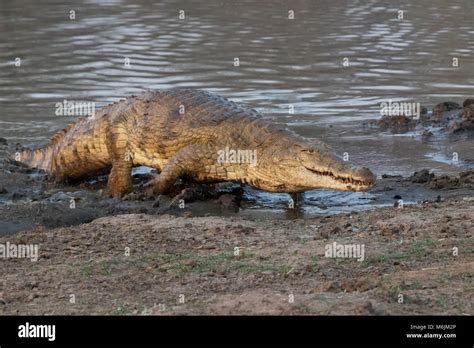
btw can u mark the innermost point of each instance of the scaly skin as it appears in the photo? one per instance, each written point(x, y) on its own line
point(180, 132)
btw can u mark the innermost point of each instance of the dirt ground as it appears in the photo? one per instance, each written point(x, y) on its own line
point(190, 265)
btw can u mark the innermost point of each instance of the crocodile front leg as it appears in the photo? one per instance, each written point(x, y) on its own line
point(192, 160)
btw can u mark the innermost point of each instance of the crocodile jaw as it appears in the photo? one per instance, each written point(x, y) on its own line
point(353, 179)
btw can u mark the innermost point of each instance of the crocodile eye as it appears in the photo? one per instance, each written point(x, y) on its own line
point(308, 150)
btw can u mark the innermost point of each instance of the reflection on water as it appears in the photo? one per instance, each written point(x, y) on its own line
point(283, 62)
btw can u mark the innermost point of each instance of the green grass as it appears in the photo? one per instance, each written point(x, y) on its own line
point(121, 309)
point(410, 286)
point(422, 248)
point(442, 301)
point(87, 270)
point(224, 261)
point(183, 264)
point(385, 258)
point(417, 251)
point(315, 264)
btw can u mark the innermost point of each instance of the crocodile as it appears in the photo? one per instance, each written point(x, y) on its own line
point(193, 134)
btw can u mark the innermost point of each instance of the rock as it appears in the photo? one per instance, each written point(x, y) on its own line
point(3, 141)
point(462, 122)
point(443, 182)
point(399, 122)
point(467, 178)
point(441, 108)
point(468, 102)
point(421, 177)
point(467, 118)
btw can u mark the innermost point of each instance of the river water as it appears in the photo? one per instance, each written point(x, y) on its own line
point(283, 63)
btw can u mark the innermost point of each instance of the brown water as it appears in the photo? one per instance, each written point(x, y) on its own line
point(283, 62)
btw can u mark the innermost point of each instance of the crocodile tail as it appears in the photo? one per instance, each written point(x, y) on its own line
point(38, 158)
point(41, 158)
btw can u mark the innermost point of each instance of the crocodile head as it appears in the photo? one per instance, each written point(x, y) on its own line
point(299, 166)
